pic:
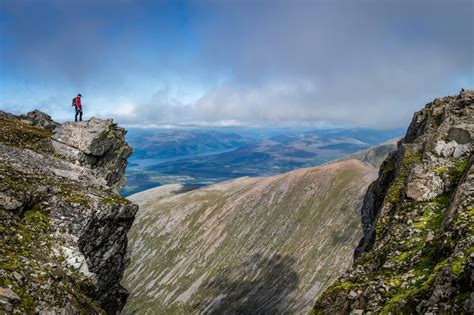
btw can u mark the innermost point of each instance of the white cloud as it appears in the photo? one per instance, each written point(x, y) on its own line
point(128, 109)
point(356, 63)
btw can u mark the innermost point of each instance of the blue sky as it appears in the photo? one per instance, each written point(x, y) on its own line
point(360, 63)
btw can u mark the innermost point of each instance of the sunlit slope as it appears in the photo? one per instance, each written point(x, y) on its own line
point(375, 155)
point(267, 244)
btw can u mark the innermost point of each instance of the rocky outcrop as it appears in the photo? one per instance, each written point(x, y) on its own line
point(417, 253)
point(39, 119)
point(63, 246)
point(264, 245)
point(97, 144)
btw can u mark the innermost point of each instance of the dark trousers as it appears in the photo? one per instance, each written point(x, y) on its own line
point(78, 112)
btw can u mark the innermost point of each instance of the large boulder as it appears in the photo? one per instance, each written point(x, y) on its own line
point(461, 134)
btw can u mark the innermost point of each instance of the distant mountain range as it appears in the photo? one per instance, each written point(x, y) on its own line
point(162, 144)
point(201, 157)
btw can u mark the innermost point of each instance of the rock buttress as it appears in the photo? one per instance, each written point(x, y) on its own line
point(63, 245)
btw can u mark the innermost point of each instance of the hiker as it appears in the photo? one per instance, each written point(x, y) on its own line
point(77, 103)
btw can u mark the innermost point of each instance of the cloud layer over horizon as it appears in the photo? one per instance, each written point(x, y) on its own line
point(348, 63)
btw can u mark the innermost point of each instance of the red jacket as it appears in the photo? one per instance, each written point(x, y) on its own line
point(77, 102)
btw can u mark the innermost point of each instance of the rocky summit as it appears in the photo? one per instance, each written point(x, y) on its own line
point(417, 253)
point(63, 243)
point(261, 245)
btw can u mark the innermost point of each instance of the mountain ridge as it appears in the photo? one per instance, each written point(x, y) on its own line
point(417, 253)
point(244, 245)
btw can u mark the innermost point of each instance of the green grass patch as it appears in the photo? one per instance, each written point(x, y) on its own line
point(115, 200)
point(458, 170)
point(398, 186)
point(440, 170)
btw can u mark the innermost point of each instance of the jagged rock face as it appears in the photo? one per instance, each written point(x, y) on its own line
point(63, 246)
point(95, 143)
point(417, 253)
point(263, 245)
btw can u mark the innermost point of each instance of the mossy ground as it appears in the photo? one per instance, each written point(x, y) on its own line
point(21, 135)
point(458, 170)
point(410, 157)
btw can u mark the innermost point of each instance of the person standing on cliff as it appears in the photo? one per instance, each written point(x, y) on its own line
point(76, 102)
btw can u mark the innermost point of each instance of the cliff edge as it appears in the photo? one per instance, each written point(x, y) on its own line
point(417, 253)
point(63, 243)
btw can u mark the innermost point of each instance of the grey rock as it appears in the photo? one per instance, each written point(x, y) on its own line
point(17, 276)
point(461, 135)
point(7, 306)
point(374, 197)
point(424, 189)
point(422, 185)
point(8, 295)
point(97, 144)
point(8, 202)
point(435, 159)
point(445, 149)
point(5, 115)
point(40, 119)
point(468, 305)
point(93, 137)
point(461, 150)
point(353, 295)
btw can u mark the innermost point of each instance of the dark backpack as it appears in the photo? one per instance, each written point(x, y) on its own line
point(74, 102)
